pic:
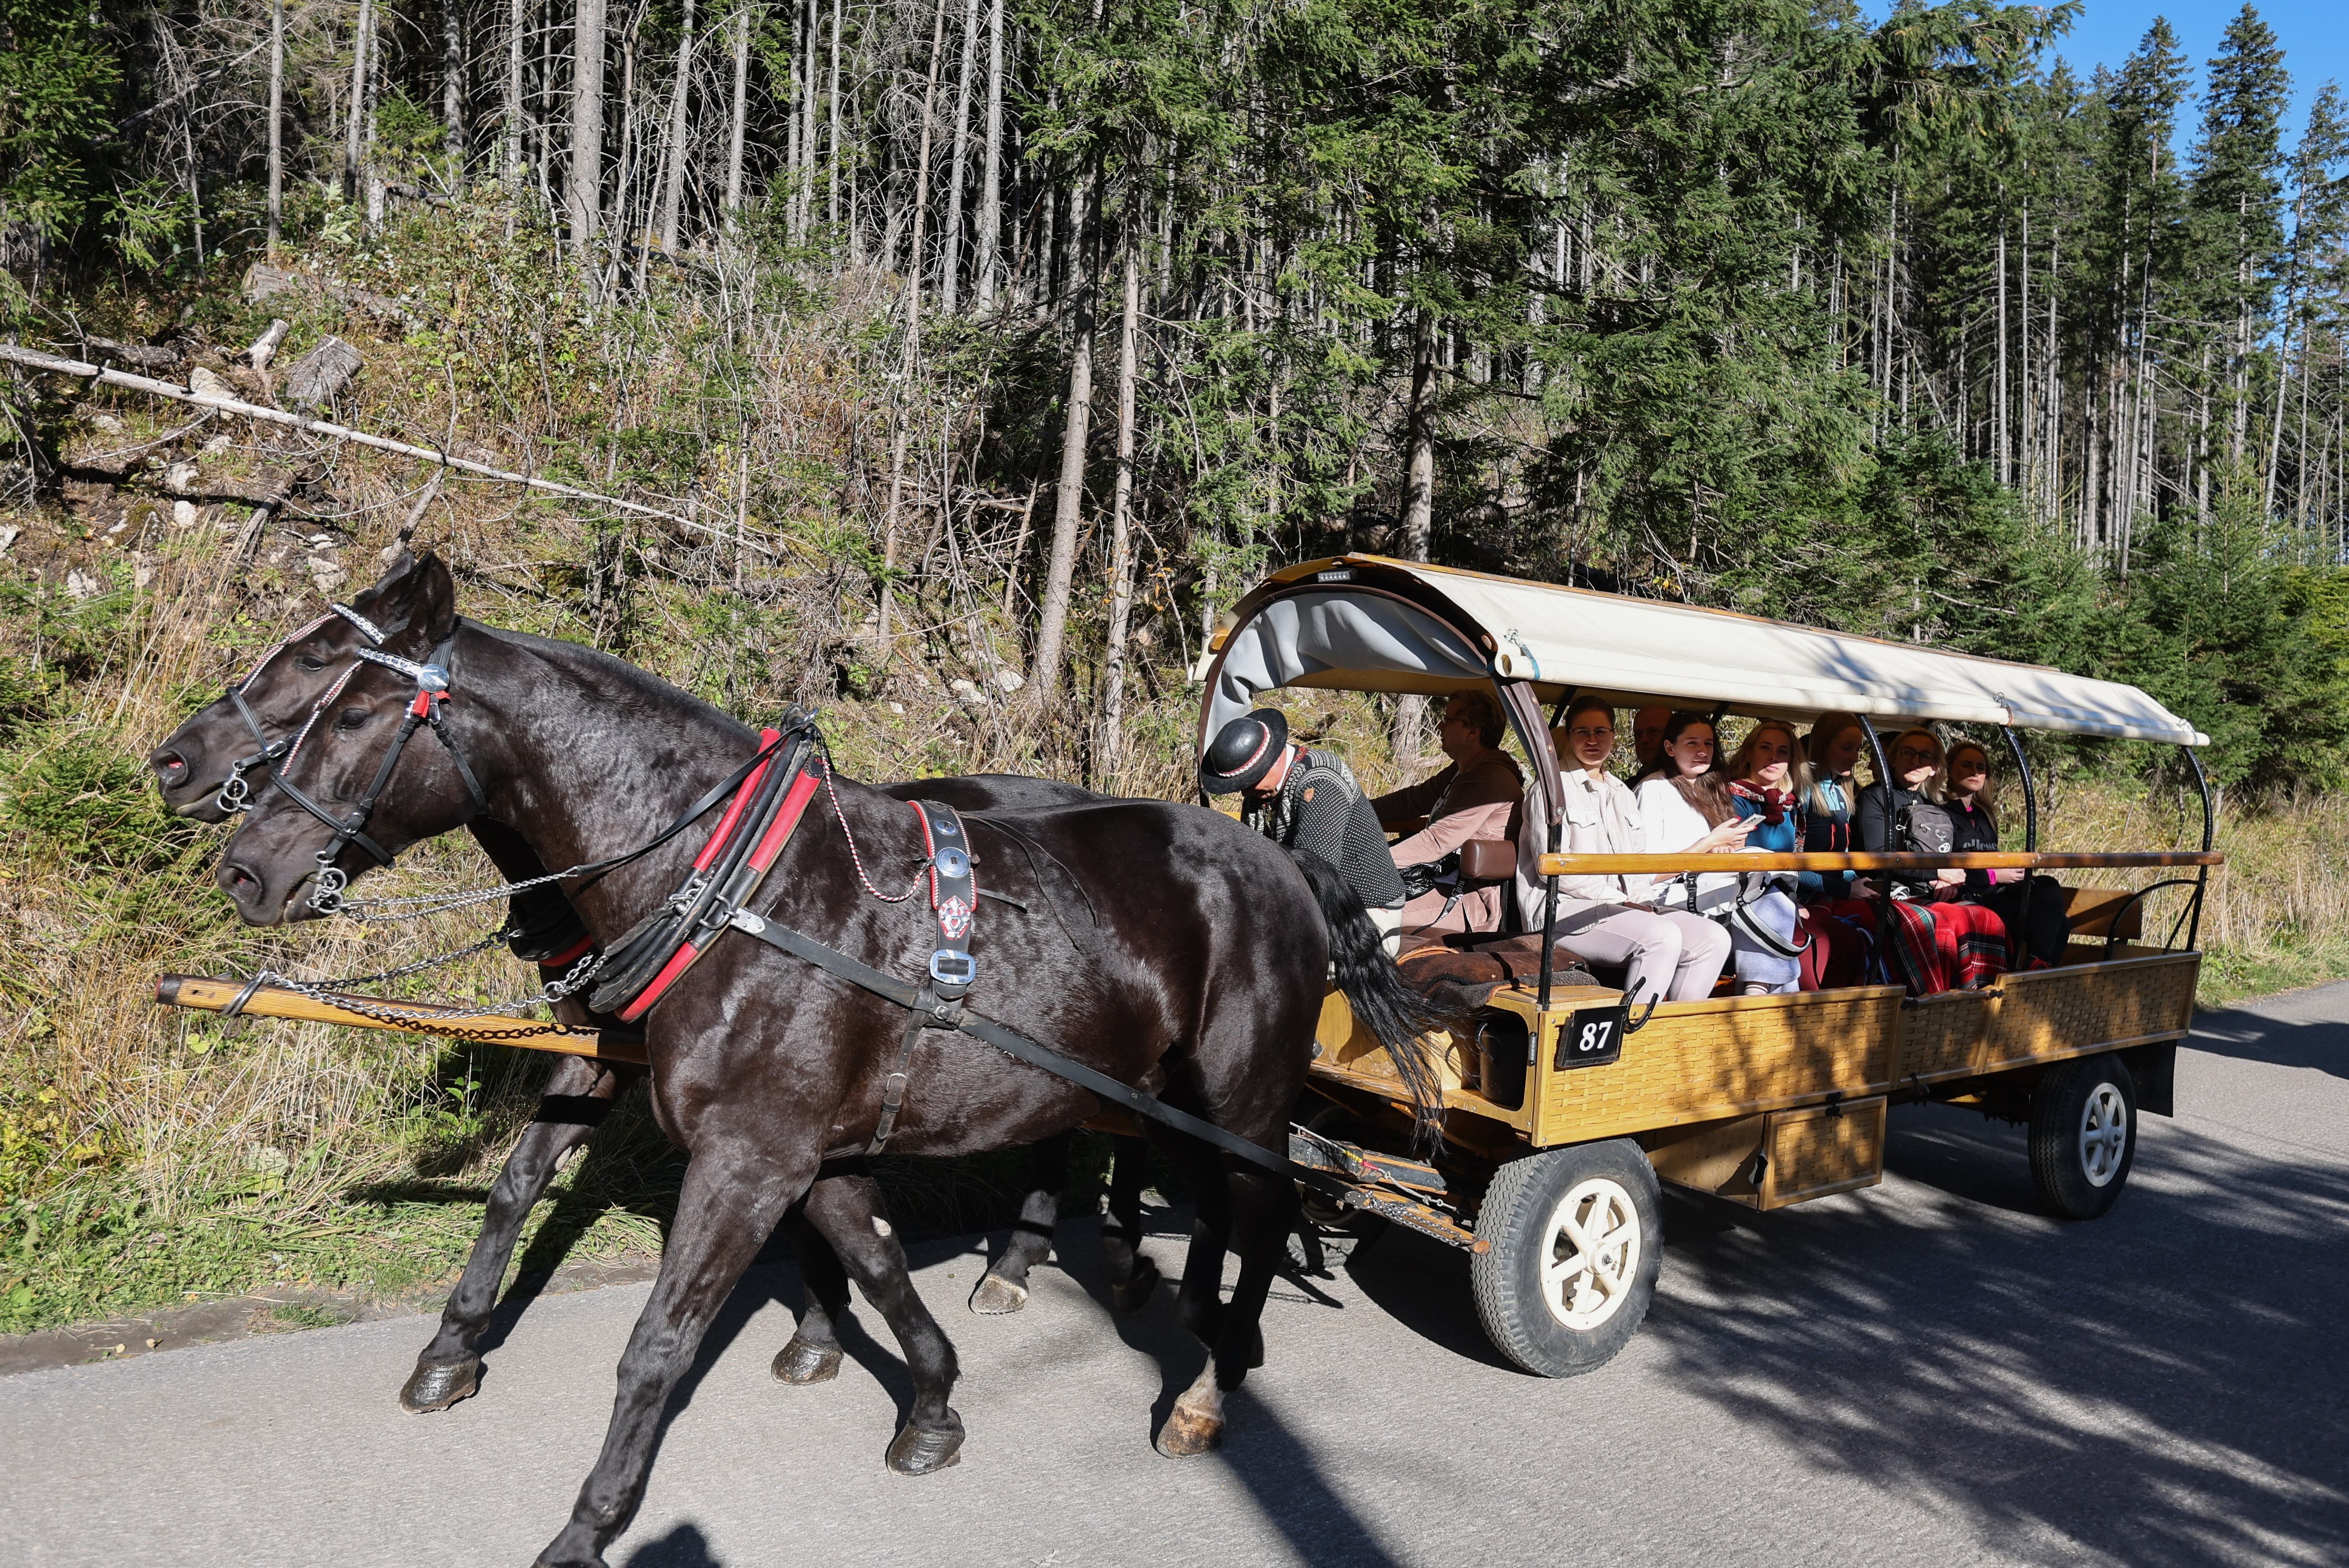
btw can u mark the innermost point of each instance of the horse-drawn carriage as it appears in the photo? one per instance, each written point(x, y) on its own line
point(1562, 1111)
point(1114, 935)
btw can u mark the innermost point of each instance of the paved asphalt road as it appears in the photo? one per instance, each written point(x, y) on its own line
point(1926, 1373)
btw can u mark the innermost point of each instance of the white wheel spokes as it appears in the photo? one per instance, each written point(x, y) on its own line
point(2104, 1134)
point(1592, 1253)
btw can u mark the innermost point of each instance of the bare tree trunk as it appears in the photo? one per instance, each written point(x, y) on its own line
point(585, 191)
point(831, 118)
point(514, 15)
point(990, 193)
point(673, 185)
point(898, 436)
point(1053, 621)
point(811, 76)
point(1999, 428)
point(1107, 760)
point(1418, 526)
point(276, 118)
point(950, 253)
point(354, 131)
point(452, 90)
point(741, 111)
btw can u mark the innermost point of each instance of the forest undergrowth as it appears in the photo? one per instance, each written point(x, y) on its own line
point(150, 1157)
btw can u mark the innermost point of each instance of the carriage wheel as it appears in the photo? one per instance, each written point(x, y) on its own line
point(1576, 1240)
point(2083, 1135)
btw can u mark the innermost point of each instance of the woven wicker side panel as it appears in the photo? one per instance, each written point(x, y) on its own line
point(1698, 1060)
point(2064, 1012)
point(1812, 1153)
point(1946, 1035)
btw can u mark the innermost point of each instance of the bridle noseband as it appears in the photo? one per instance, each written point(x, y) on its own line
point(432, 688)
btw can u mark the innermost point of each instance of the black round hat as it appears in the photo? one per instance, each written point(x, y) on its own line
point(1244, 751)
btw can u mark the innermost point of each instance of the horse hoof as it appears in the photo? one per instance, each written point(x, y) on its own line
point(1189, 1433)
point(800, 1364)
point(997, 1295)
point(1136, 1293)
point(918, 1450)
point(437, 1386)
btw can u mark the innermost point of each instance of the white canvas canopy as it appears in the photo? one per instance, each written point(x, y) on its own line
point(1366, 622)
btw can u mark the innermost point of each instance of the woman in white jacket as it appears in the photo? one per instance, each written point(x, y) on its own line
point(1684, 807)
point(1670, 953)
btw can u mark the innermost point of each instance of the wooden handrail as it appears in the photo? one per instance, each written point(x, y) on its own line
point(1733, 861)
point(211, 995)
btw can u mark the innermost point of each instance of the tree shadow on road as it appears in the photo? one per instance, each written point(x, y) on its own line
point(2319, 1043)
point(2161, 1386)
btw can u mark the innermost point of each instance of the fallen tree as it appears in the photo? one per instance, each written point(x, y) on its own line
point(50, 363)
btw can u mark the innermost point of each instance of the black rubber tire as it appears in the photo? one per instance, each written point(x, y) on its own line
point(2061, 1158)
point(1516, 1219)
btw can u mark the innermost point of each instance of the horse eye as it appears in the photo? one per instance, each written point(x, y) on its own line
point(353, 718)
point(310, 663)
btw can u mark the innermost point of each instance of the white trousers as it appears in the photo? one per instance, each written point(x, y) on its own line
point(1673, 955)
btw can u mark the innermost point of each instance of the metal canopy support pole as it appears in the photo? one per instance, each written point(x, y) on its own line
point(2030, 841)
point(1548, 778)
point(2210, 834)
point(1883, 782)
point(2030, 790)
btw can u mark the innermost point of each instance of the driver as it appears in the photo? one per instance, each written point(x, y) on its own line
point(1308, 802)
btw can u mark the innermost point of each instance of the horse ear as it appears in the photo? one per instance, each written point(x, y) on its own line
point(416, 593)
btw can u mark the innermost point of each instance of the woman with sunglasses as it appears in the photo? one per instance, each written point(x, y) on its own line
point(1888, 816)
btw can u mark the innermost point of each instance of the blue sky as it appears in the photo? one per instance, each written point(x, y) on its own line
point(2314, 33)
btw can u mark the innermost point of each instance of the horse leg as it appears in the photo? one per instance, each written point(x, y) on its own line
point(735, 1191)
point(1132, 1277)
point(1004, 1287)
point(813, 1355)
point(851, 1214)
point(1261, 1202)
point(1199, 1297)
point(578, 1093)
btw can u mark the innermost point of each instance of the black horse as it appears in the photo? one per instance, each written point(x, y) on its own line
point(201, 754)
point(1162, 945)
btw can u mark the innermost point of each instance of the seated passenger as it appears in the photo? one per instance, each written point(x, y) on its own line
point(1646, 735)
point(1767, 777)
point(1670, 954)
point(1833, 748)
point(1940, 946)
point(1471, 799)
point(1684, 807)
point(1887, 815)
point(2032, 907)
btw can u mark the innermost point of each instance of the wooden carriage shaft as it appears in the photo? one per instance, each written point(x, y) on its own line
point(1981, 861)
point(211, 995)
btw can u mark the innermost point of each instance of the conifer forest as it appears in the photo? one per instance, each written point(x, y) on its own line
point(956, 364)
point(1900, 327)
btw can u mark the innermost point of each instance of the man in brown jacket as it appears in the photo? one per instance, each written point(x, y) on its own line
point(1471, 799)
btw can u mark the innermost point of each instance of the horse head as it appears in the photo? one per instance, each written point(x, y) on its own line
point(216, 744)
point(344, 791)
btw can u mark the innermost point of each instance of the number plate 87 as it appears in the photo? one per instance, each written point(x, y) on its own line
point(1591, 1037)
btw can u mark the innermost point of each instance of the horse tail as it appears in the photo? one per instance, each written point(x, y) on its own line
point(1394, 1013)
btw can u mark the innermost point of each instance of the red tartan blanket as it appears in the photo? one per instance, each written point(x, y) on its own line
point(1947, 946)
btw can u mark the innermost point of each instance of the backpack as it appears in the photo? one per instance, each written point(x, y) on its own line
point(1924, 828)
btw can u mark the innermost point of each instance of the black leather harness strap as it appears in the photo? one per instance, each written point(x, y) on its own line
point(937, 1000)
point(1021, 1048)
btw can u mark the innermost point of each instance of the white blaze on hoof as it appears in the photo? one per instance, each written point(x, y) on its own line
point(1196, 1423)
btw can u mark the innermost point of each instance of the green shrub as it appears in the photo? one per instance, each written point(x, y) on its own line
point(92, 806)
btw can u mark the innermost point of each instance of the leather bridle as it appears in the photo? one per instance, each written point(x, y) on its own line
point(432, 688)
